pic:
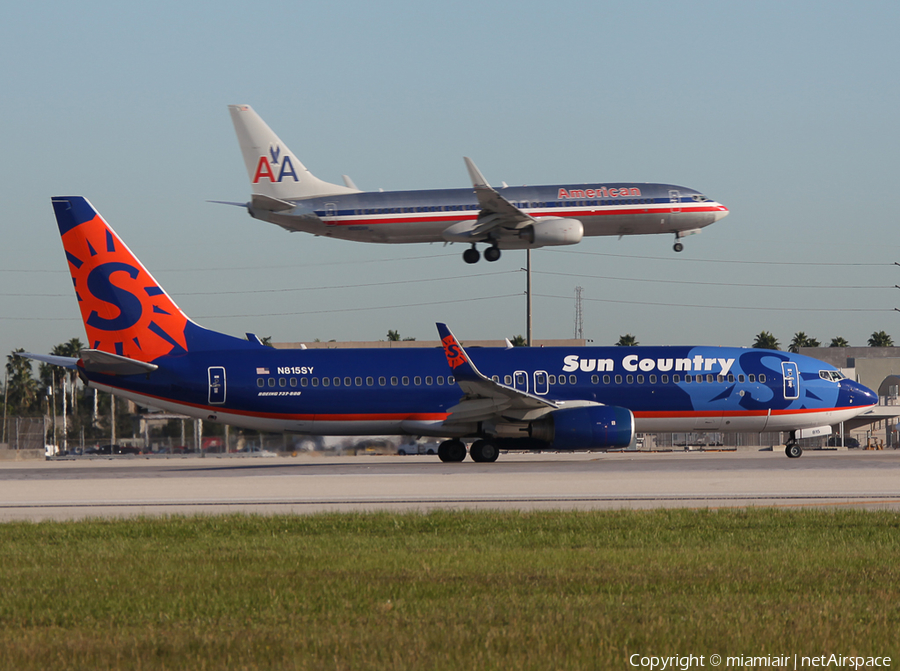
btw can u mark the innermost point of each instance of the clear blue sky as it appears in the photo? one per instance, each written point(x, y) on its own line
point(786, 112)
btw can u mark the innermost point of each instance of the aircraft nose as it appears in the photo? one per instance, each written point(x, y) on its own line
point(721, 211)
point(853, 394)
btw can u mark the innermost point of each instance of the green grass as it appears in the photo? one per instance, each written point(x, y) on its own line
point(473, 590)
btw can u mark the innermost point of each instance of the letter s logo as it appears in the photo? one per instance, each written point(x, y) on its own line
point(101, 288)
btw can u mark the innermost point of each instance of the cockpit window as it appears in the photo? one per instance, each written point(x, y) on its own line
point(700, 198)
point(832, 375)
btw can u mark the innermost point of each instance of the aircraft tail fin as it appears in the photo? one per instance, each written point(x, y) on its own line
point(125, 311)
point(273, 169)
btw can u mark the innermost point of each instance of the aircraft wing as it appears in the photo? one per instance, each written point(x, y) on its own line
point(483, 398)
point(496, 211)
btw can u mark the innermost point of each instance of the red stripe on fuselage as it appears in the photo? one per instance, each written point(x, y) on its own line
point(448, 217)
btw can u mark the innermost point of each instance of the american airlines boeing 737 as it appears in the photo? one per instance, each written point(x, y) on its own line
point(144, 348)
point(287, 194)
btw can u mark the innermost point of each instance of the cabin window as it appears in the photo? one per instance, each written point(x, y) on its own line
point(751, 377)
point(618, 379)
point(640, 379)
point(282, 382)
point(394, 380)
point(315, 382)
point(652, 379)
point(370, 381)
point(304, 381)
point(417, 381)
point(293, 382)
point(731, 377)
point(382, 380)
point(271, 381)
point(260, 382)
point(495, 378)
point(688, 379)
point(595, 379)
point(562, 379)
point(451, 380)
point(358, 381)
point(762, 377)
point(325, 382)
point(676, 379)
point(573, 379)
point(406, 380)
point(720, 378)
point(664, 379)
point(552, 379)
point(709, 377)
point(629, 379)
point(740, 377)
point(429, 380)
point(440, 380)
point(507, 380)
point(606, 379)
point(347, 381)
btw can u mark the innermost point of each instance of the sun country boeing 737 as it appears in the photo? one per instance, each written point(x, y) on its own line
point(287, 194)
point(144, 348)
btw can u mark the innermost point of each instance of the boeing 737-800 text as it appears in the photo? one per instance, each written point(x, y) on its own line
point(287, 194)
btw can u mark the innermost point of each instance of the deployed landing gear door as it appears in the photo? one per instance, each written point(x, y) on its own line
point(791, 380)
point(216, 385)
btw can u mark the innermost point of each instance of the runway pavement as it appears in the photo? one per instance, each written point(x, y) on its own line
point(133, 486)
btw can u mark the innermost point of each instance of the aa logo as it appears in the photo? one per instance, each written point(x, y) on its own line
point(453, 351)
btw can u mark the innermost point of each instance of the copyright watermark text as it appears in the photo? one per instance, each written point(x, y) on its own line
point(796, 662)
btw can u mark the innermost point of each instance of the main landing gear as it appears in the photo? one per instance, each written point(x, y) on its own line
point(452, 450)
point(482, 451)
point(471, 255)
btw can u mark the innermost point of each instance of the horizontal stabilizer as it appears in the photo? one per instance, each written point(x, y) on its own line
point(107, 363)
point(64, 361)
point(269, 204)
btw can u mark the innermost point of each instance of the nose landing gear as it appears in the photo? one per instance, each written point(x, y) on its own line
point(792, 449)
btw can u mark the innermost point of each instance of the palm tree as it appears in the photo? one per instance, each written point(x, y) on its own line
point(627, 340)
point(802, 340)
point(518, 341)
point(23, 391)
point(880, 339)
point(839, 342)
point(766, 340)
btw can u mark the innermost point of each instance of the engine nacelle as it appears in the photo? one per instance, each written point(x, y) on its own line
point(594, 426)
point(550, 231)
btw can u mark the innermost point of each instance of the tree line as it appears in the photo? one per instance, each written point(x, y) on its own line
point(765, 340)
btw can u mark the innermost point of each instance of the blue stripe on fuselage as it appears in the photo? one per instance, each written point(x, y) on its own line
point(184, 379)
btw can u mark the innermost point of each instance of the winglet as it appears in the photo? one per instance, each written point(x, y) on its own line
point(457, 358)
point(478, 180)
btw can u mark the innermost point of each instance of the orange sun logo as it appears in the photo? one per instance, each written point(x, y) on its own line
point(454, 352)
point(124, 310)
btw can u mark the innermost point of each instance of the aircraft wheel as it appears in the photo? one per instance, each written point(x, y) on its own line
point(471, 255)
point(678, 247)
point(793, 450)
point(452, 450)
point(484, 451)
point(491, 253)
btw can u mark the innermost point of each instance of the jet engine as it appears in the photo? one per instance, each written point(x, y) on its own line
point(553, 231)
point(582, 428)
